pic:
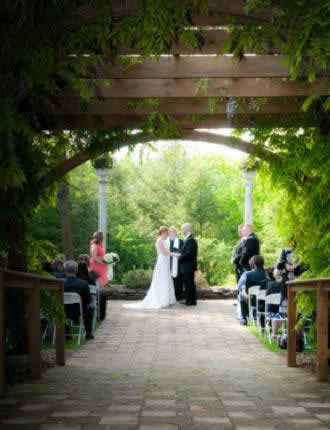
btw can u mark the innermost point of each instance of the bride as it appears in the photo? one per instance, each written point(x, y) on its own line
point(161, 292)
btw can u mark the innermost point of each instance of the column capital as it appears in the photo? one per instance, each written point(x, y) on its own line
point(102, 173)
point(249, 176)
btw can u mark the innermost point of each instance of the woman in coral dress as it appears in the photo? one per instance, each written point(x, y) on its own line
point(96, 258)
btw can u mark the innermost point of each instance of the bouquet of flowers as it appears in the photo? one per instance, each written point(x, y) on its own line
point(111, 259)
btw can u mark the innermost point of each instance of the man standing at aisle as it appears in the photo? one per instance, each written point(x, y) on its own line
point(251, 247)
point(188, 264)
point(237, 253)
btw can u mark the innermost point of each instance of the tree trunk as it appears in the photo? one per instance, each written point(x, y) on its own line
point(17, 247)
point(64, 207)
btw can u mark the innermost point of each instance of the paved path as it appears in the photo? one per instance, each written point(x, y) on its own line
point(184, 368)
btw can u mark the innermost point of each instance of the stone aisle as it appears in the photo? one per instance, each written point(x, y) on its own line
point(183, 368)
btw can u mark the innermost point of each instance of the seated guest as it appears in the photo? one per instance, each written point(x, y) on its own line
point(83, 272)
point(273, 311)
point(58, 268)
point(249, 279)
point(74, 285)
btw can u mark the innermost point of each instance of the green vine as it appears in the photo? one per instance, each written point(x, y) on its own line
point(299, 29)
point(156, 25)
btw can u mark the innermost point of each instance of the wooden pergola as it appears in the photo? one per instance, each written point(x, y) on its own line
point(196, 87)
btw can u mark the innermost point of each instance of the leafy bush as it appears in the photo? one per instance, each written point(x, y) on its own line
point(200, 280)
point(138, 278)
point(214, 259)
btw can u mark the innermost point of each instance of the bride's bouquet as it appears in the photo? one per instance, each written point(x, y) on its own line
point(111, 259)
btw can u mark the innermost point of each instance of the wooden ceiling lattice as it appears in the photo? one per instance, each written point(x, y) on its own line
point(191, 85)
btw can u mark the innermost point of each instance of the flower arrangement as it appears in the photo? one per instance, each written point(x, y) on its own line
point(111, 259)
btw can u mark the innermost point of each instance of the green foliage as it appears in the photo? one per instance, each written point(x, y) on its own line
point(200, 280)
point(299, 178)
point(299, 29)
point(161, 126)
point(157, 24)
point(103, 162)
point(214, 260)
point(35, 69)
point(138, 278)
point(51, 309)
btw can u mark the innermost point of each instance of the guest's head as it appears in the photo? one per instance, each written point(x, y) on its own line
point(82, 272)
point(187, 229)
point(163, 232)
point(83, 258)
point(172, 232)
point(98, 237)
point(278, 275)
point(256, 262)
point(70, 268)
point(247, 229)
point(58, 265)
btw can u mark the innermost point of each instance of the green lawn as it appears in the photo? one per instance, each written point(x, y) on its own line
point(71, 344)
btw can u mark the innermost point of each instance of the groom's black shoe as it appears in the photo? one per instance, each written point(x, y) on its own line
point(191, 304)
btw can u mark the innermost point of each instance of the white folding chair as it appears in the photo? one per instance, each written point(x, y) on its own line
point(252, 292)
point(261, 296)
point(94, 303)
point(74, 299)
point(275, 300)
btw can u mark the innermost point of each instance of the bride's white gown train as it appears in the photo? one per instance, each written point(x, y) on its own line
point(161, 292)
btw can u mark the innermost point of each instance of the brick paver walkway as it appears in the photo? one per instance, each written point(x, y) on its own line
point(183, 368)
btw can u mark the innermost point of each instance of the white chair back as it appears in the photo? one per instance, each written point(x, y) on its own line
point(261, 295)
point(253, 291)
point(273, 299)
point(72, 299)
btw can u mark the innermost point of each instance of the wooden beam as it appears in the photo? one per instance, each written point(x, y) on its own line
point(3, 387)
point(190, 88)
point(90, 122)
point(169, 106)
point(220, 12)
point(196, 66)
point(121, 9)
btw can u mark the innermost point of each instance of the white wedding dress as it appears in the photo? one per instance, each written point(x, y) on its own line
point(161, 292)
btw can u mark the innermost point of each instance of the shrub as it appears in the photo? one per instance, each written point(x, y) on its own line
point(215, 260)
point(138, 278)
point(200, 280)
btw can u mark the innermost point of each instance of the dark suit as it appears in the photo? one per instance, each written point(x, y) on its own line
point(253, 277)
point(188, 267)
point(178, 282)
point(75, 285)
point(237, 256)
point(250, 248)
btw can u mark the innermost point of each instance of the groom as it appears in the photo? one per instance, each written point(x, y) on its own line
point(188, 264)
point(174, 243)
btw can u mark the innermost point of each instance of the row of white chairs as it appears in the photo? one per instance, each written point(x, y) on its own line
point(255, 297)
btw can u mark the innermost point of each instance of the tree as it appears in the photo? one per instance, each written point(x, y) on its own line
point(64, 207)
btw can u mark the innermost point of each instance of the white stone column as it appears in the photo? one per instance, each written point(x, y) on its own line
point(102, 219)
point(249, 176)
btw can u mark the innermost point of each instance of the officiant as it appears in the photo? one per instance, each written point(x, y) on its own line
point(175, 244)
